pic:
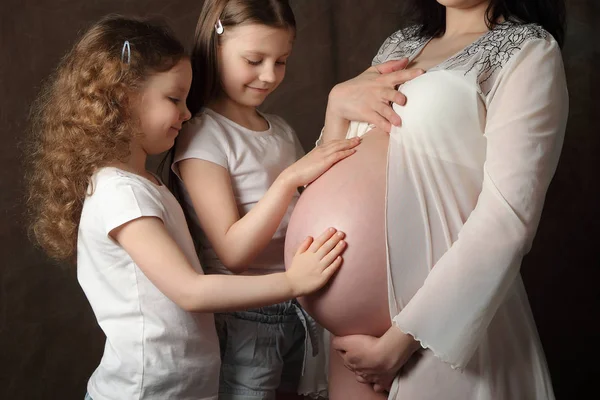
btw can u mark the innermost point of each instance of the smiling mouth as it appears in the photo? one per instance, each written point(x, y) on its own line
point(259, 89)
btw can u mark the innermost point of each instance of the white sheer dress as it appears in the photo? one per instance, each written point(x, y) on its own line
point(468, 172)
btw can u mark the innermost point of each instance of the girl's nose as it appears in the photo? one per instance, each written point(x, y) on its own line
point(267, 74)
point(186, 114)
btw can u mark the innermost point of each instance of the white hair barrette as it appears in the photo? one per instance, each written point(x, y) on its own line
point(126, 50)
point(219, 27)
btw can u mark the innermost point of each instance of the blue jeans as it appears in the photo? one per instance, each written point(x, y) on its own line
point(263, 350)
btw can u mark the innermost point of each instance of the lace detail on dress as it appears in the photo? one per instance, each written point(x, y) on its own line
point(493, 50)
point(485, 56)
point(402, 43)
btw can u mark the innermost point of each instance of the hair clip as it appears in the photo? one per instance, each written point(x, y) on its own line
point(219, 27)
point(127, 48)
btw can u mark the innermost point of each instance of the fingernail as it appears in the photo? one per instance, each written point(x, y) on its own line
point(340, 234)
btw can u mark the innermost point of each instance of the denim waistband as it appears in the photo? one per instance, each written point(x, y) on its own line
point(284, 312)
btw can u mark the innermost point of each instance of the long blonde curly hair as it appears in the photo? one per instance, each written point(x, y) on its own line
point(82, 120)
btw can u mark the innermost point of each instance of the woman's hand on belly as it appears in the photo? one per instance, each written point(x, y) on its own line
point(376, 360)
point(368, 97)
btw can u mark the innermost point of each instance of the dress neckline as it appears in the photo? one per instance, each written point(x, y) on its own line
point(426, 41)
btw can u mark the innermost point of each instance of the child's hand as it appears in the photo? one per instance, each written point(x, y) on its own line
point(315, 262)
point(319, 160)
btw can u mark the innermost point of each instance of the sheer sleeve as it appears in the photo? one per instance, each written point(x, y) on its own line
point(526, 117)
point(400, 44)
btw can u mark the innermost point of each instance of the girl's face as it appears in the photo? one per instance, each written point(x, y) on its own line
point(252, 61)
point(161, 107)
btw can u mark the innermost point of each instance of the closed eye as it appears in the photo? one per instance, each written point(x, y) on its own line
point(175, 100)
point(251, 62)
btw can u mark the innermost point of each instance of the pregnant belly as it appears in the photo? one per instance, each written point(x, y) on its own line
point(350, 197)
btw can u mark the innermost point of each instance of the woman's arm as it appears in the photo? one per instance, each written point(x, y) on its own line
point(155, 252)
point(525, 125)
point(376, 360)
point(237, 240)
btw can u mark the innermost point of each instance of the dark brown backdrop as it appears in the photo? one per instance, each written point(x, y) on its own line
point(49, 342)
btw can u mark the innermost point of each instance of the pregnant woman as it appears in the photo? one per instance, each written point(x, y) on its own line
point(467, 173)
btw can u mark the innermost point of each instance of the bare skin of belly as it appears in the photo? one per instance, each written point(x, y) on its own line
point(342, 382)
point(350, 197)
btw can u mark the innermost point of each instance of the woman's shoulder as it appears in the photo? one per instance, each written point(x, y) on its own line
point(487, 56)
point(513, 34)
point(401, 43)
point(412, 32)
point(502, 42)
point(508, 39)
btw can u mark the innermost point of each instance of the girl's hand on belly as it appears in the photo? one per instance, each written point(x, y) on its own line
point(319, 160)
point(315, 262)
point(376, 360)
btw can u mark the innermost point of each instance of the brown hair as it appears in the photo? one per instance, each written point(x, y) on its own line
point(206, 83)
point(81, 120)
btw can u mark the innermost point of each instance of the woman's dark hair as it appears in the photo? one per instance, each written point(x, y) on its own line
point(550, 14)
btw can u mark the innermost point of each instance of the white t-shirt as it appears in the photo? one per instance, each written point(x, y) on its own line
point(154, 349)
point(253, 160)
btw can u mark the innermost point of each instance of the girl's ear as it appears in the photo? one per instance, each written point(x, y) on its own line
point(132, 102)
